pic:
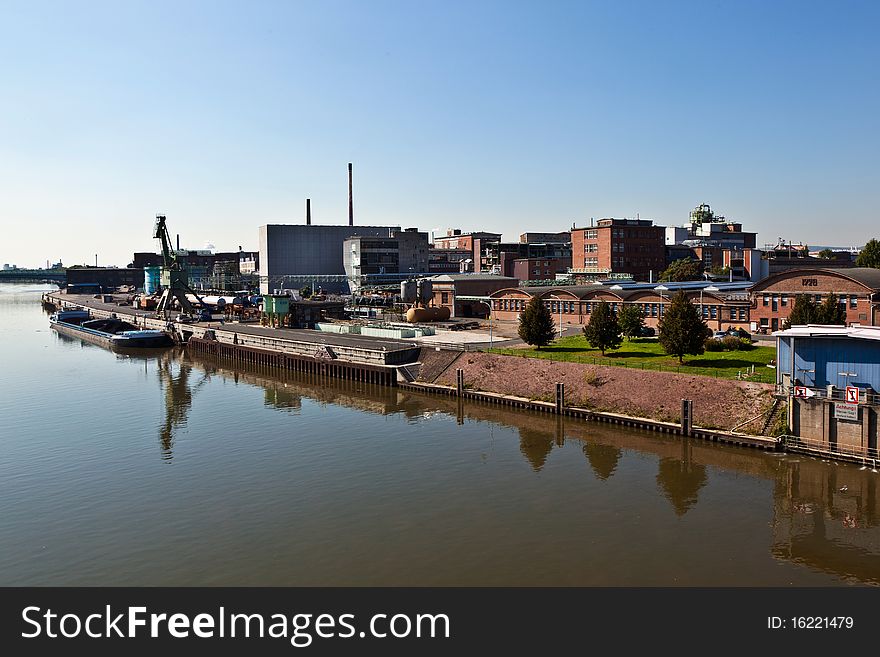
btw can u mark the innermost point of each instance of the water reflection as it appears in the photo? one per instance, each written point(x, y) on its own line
point(535, 446)
point(603, 459)
point(178, 392)
point(680, 479)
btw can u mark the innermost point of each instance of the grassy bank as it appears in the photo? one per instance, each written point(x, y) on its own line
point(644, 353)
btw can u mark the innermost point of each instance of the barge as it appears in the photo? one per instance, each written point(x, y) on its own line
point(108, 332)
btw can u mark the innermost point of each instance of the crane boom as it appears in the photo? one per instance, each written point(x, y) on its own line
point(160, 232)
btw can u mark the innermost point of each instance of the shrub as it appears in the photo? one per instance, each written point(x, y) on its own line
point(713, 345)
point(731, 343)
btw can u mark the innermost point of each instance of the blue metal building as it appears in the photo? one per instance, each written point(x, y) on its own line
point(818, 356)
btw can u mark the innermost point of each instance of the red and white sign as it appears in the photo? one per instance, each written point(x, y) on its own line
point(803, 391)
point(852, 395)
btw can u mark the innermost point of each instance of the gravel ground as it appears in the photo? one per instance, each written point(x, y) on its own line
point(718, 403)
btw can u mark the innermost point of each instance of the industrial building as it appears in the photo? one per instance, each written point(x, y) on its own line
point(105, 278)
point(619, 246)
point(403, 252)
point(289, 250)
point(722, 305)
point(563, 237)
point(512, 258)
point(455, 239)
point(831, 374)
point(858, 288)
point(466, 295)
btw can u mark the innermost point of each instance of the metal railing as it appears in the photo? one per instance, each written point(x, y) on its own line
point(867, 397)
point(869, 455)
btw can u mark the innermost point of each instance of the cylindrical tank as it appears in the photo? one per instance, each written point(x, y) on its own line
point(432, 314)
point(425, 289)
point(408, 291)
point(152, 277)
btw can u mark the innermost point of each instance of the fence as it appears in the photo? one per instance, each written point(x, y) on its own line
point(866, 455)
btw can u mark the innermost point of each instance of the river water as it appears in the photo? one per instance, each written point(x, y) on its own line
point(133, 469)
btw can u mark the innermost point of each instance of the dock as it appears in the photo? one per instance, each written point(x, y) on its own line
point(358, 357)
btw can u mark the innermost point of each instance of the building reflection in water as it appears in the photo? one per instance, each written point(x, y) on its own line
point(825, 515)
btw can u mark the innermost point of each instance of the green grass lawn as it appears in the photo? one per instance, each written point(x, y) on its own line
point(645, 353)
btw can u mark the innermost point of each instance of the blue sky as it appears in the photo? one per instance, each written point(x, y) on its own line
point(505, 116)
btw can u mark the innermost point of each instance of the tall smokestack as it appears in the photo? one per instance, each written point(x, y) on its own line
point(308, 212)
point(178, 241)
point(350, 199)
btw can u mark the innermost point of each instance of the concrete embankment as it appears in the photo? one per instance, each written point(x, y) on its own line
point(718, 403)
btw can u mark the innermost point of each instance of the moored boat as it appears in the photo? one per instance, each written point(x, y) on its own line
point(111, 331)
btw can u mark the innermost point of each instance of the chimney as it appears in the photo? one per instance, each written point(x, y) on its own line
point(350, 199)
point(178, 241)
point(308, 212)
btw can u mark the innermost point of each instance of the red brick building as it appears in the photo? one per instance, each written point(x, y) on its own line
point(572, 305)
point(857, 288)
point(619, 246)
point(455, 239)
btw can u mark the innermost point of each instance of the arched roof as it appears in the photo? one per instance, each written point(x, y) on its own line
point(868, 277)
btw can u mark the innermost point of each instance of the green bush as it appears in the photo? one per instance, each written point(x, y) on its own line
point(713, 345)
point(731, 343)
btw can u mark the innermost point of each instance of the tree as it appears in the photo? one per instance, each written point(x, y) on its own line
point(828, 254)
point(306, 291)
point(830, 311)
point(603, 331)
point(804, 311)
point(682, 330)
point(631, 320)
point(870, 255)
point(536, 324)
point(684, 269)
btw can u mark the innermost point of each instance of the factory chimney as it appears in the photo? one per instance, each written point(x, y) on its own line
point(350, 199)
point(308, 212)
point(178, 241)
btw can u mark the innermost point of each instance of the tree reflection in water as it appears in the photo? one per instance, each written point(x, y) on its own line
point(680, 480)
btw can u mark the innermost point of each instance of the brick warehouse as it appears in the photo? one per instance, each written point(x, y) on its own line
point(858, 288)
point(572, 305)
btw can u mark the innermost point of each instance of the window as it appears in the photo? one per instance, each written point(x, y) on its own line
point(732, 314)
point(784, 300)
point(591, 234)
point(713, 312)
point(742, 314)
point(764, 322)
point(444, 297)
point(853, 301)
point(766, 299)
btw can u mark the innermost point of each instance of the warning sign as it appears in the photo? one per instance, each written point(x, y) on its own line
point(800, 391)
point(846, 412)
point(852, 395)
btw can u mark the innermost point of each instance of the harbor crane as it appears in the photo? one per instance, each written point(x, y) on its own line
point(174, 277)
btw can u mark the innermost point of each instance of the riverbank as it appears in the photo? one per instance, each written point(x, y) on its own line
point(718, 403)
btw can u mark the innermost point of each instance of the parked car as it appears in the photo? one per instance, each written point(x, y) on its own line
point(719, 335)
point(648, 332)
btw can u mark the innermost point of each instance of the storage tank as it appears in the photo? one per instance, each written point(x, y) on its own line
point(432, 314)
point(152, 278)
point(213, 300)
point(425, 289)
point(408, 291)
